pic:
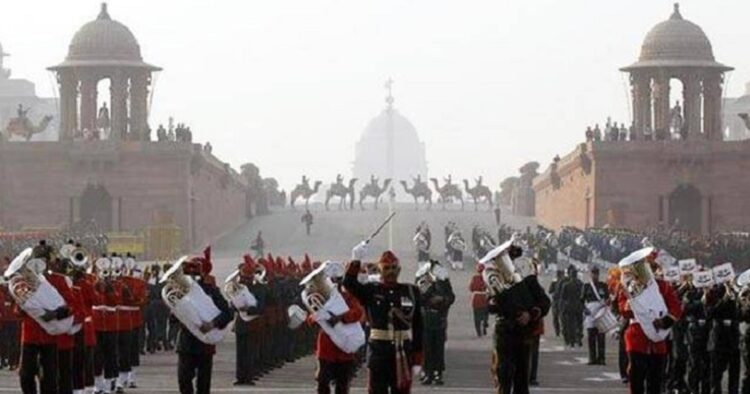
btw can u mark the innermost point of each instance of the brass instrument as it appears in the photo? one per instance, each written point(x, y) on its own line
point(31, 291)
point(260, 274)
point(742, 287)
point(323, 300)
point(428, 274)
point(239, 295)
point(190, 304)
point(499, 273)
point(118, 266)
point(421, 242)
point(103, 268)
point(456, 241)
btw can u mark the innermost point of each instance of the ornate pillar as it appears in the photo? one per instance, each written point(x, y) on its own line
point(88, 103)
point(712, 107)
point(119, 106)
point(661, 103)
point(691, 97)
point(68, 104)
point(641, 103)
point(138, 105)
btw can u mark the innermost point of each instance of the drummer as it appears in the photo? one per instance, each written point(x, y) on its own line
point(595, 297)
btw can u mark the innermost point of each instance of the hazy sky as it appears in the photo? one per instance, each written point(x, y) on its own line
point(290, 85)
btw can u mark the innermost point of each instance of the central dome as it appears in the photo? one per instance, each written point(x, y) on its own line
point(676, 42)
point(104, 42)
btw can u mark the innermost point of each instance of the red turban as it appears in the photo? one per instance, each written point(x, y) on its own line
point(248, 267)
point(388, 258)
point(480, 268)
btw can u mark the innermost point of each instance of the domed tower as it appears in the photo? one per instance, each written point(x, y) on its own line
point(677, 48)
point(390, 147)
point(104, 49)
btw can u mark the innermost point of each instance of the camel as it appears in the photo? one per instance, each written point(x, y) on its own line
point(373, 190)
point(338, 190)
point(745, 119)
point(420, 189)
point(477, 193)
point(22, 126)
point(448, 192)
point(303, 190)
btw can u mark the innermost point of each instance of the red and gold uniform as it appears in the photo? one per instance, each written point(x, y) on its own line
point(83, 356)
point(106, 326)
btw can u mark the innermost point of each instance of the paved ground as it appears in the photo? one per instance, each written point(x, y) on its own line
point(334, 233)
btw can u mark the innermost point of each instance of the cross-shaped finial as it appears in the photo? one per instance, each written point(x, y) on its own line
point(389, 86)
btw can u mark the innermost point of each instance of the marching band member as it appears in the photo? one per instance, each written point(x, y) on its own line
point(106, 326)
point(137, 286)
point(394, 311)
point(247, 356)
point(699, 381)
point(479, 301)
point(519, 304)
point(436, 299)
point(595, 296)
point(38, 348)
point(195, 358)
point(724, 337)
point(645, 336)
point(335, 365)
point(124, 322)
point(83, 356)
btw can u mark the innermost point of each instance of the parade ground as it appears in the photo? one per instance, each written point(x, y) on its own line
point(333, 234)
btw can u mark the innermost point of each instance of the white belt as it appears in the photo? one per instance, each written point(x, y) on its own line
point(88, 319)
point(104, 308)
point(8, 303)
point(727, 323)
point(128, 308)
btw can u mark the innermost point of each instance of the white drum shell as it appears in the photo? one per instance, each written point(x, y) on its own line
point(605, 321)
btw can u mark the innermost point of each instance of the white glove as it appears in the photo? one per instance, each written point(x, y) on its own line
point(321, 315)
point(360, 251)
point(415, 370)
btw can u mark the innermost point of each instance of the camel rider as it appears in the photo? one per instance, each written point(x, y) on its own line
point(339, 179)
point(22, 112)
point(305, 182)
point(479, 181)
point(418, 180)
point(448, 180)
point(373, 180)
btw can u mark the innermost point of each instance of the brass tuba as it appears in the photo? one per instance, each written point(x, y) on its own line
point(31, 291)
point(238, 295)
point(190, 304)
point(499, 273)
point(323, 300)
point(742, 287)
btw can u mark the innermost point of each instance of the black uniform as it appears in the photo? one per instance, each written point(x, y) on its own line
point(247, 357)
point(572, 310)
point(512, 341)
point(699, 363)
point(724, 340)
point(555, 291)
point(195, 358)
point(392, 353)
point(596, 341)
point(436, 302)
point(679, 350)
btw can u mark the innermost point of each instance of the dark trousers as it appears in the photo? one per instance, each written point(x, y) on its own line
point(338, 373)
point(721, 361)
point(480, 321)
point(534, 359)
point(512, 352)
point(243, 358)
point(123, 351)
point(434, 350)
point(699, 371)
point(623, 357)
point(646, 373)
point(597, 353)
point(38, 361)
point(746, 361)
point(65, 371)
point(10, 343)
point(79, 356)
point(572, 321)
point(105, 357)
point(194, 367)
point(382, 379)
point(135, 347)
point(678, 366)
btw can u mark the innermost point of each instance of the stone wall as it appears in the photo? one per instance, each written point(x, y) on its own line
point(630, 185)
point(41, 185)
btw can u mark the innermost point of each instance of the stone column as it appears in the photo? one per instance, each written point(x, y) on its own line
point(661, 103)
point(68, 104)
point(139, 105)
point(119, 106)
point(88, 103)
point(641, 103)
point(691, 96)
point(712, 107)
